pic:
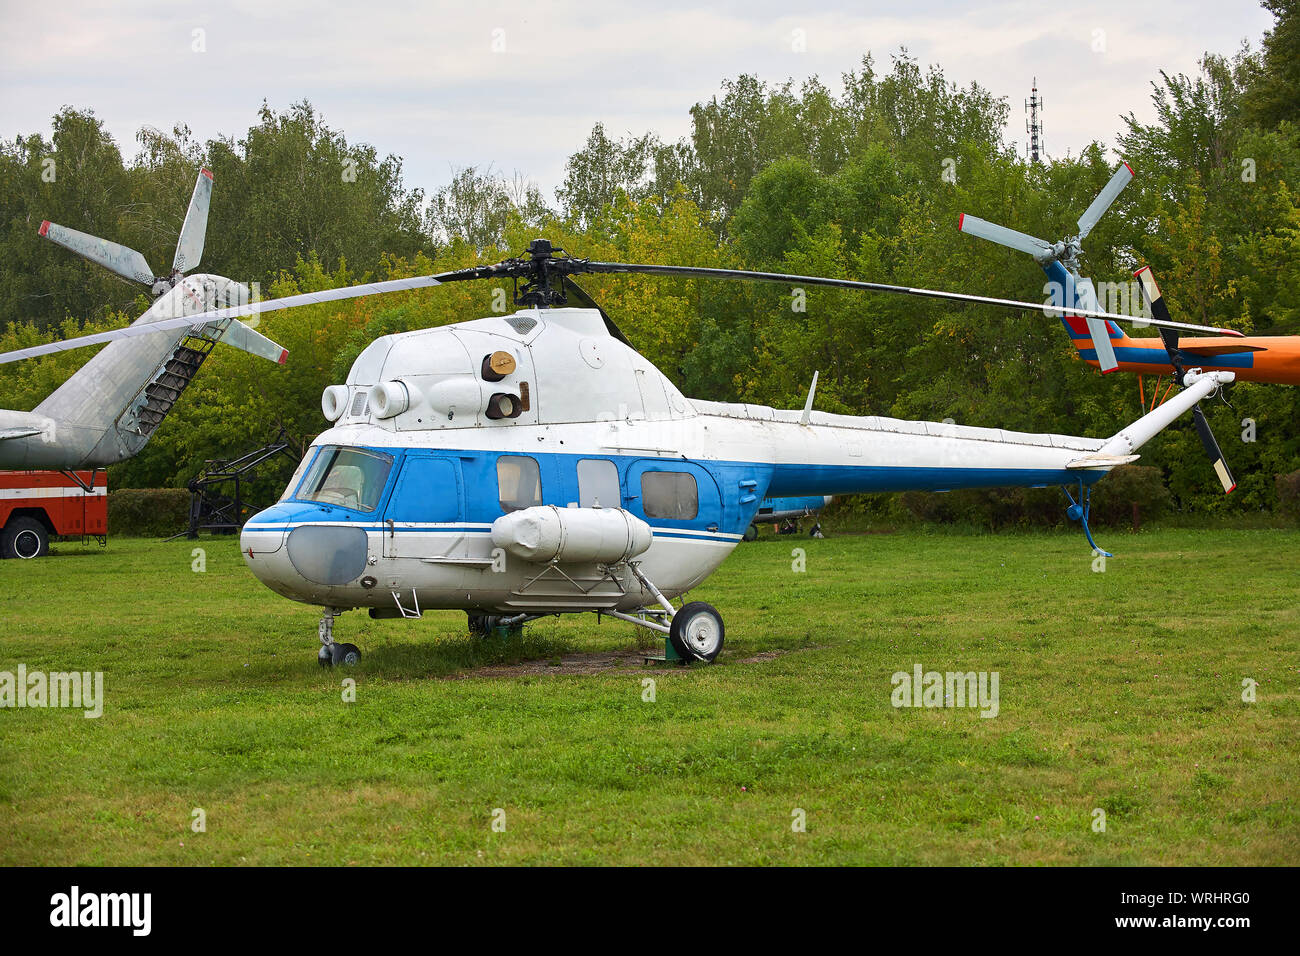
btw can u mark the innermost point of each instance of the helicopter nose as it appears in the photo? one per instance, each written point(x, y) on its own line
point(297, 558)
point(327, 554)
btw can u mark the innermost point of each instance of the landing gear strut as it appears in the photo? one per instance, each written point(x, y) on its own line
point(331, 653)
point(693, 632)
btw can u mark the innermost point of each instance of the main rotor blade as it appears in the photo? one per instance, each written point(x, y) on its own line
point(578, 265)
point(238, 311)
point(517, 268)
point(189, 247)
point(1212, 449)
point(1104, 198)
point(576, 291)
point(114, 257)
point(1002, 235)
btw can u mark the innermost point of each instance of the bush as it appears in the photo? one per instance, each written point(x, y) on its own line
point(990, 508)
point(996, 509)
point(1288, 495)
point(1128, 485)
point(148, 512)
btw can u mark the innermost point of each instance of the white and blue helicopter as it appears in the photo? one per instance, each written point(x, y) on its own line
point(535, 464)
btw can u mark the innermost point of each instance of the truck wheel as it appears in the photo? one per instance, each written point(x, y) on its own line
point(24, 538)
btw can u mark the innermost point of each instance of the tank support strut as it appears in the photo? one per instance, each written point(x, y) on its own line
point(670, 653)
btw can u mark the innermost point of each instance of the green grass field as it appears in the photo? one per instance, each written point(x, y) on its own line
point(1119, 691)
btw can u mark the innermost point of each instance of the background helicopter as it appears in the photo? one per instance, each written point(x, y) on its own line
point(534, 464)
point(108, 410)
point(784, 514)
point(1253, 358)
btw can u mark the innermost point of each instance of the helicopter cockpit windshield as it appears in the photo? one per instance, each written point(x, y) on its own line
point(348, 477)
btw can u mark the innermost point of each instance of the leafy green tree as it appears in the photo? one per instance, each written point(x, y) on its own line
point(77, 179)
point(476, 207)
point(1273, 98)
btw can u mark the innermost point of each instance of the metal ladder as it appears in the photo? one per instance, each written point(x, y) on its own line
point(156, 399)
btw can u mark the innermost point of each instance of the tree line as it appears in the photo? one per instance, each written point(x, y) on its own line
point(865, 182)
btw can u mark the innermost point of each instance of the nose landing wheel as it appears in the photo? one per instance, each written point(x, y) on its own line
point(331, 653)
point(338, 654)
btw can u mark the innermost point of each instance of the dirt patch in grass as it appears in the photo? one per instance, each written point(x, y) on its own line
point(599, 662)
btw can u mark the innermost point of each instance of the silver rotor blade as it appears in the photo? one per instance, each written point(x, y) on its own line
point(1104, 199)
point(189, 247)
point(232, 312)
point(1002, 235)
point(113, 256)
point(1086, 295)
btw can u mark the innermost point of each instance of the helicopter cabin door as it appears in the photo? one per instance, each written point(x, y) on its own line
point(425, 513)
point(672, 494)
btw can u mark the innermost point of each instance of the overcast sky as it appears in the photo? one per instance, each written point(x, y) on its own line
point(423, 81)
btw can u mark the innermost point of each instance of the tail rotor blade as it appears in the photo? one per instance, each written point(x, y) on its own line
point(1160, 312)
point(1002, 235)
point(189, 248)
point(113, 256)
point(1212, 449)
point(1104, 199)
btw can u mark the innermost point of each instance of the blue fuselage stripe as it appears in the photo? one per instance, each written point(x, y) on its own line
point(1144, 356)
point(729, 492)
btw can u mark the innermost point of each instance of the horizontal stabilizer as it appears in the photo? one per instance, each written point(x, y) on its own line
point(1210, 351)
point(1102, 461)
point(22, 431)
point(23, 425)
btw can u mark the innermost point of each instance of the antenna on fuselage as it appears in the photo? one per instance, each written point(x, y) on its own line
point(807, 406)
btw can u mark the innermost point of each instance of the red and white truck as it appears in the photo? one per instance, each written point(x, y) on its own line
point(38, 505)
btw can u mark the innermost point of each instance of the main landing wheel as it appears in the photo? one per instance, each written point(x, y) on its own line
point(338, 654)
point(750, 533)
point(696, 632)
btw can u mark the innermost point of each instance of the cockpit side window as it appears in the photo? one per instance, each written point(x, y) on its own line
point(298, 472)
point(519, 483)
point(348, 477)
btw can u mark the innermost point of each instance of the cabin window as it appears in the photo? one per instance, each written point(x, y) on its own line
point(598, 484)
point(669, 494)
point(348, 477)
point(519, 483)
